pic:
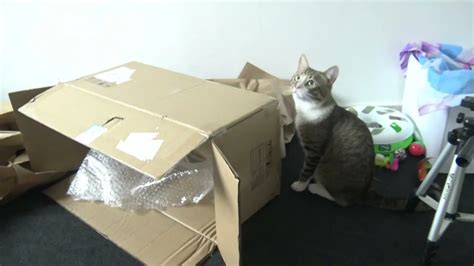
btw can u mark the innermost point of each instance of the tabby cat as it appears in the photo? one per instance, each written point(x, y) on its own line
point(338, 147)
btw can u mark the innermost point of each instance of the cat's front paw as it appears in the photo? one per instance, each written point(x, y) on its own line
point(299, 186)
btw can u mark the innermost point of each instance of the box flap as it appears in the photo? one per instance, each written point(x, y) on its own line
point(251, 71)
point(63, 153)
point(178, 97)
point(146, 142)
point(136, 84)
point(255, 158)
point(226, 194)
point(211, 106)
point(151, 237)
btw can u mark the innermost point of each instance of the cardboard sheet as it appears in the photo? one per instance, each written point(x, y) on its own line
point(17, 177)
point(11, 140)
point(152, 237)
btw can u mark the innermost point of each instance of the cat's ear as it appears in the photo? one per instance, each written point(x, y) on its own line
point(331, 73)
point(303, 64)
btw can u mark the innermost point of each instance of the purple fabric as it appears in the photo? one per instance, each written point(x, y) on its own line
point(464, 59)
point(449, 74)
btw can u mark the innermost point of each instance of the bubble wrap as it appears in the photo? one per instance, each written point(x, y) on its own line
point(101, 178)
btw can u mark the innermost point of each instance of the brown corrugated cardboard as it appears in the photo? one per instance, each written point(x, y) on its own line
point(152, 237)
point(287, 105)
point(254, 79)
point(258, 163)
point(222, 122)
point(7, 119)
point(17, 177)
point(10, 138)
point(63, 154)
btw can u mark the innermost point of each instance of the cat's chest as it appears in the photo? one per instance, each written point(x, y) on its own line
point(307, 112)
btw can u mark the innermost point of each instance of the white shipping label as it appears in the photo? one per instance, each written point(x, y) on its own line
point(90, 134)
point(141, 145)
point(117, 75)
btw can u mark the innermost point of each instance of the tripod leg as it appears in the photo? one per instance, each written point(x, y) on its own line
point(439, 222)
point(425, 185)
point(456, 192)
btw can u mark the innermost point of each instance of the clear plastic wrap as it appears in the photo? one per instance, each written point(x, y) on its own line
point(101, 178)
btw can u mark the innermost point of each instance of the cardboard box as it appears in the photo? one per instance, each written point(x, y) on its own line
point(16, 178)
point(238, 131)
point(252, 78)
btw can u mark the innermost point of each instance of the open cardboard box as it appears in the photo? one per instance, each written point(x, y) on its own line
point(239, 131)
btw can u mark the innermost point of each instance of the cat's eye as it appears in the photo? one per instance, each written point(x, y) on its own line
point(297, 77)
point(310, 83)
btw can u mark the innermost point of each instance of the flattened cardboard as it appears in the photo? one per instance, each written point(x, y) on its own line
point(199, 218)
point(152, 237)
point(7, 152)
point(17, 177)
point(7, 180)
point(7, 118)
point(189, 232)
point(190, 114)
point(11, 140)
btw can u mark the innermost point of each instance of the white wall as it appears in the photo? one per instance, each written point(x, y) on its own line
point(47, 43)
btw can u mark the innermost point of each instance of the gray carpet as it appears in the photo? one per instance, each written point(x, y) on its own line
point(293, 229)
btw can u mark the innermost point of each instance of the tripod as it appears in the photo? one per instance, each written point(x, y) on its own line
point(461, 141)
